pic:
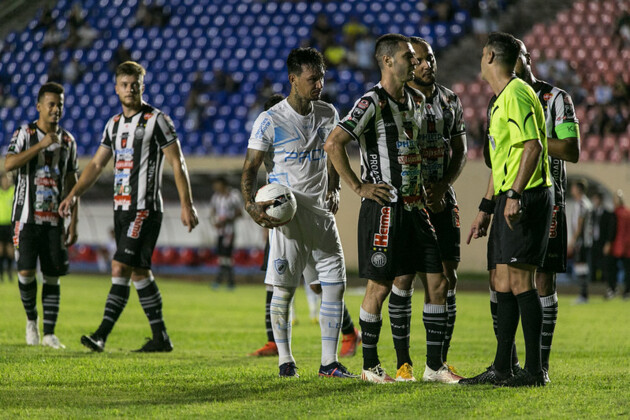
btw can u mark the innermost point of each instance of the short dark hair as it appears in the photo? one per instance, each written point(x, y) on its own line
point(308, 57)
point(130, 68)
point(50, 87)
point(506, 48)
point(273, 99)
point(581, 184)
point(387, 45)
point(418, 40)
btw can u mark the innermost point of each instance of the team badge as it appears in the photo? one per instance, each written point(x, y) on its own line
point(280, 265)
point(547, 96)
point(148, 116)
point(363, 104)
point(379, 259)
point(117, 118)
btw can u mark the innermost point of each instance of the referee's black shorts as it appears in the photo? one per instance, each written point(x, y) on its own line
point(527, 242)
point(447, 228)
point(395, 242)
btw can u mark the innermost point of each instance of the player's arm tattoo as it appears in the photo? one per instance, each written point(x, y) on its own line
point(253, 160)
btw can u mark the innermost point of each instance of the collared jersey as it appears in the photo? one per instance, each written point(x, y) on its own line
point(294, 146)
point(516, 117)
point(388, 132)
point(137, 144)
point(40, 184)
point(443, 120)
point(561, 123)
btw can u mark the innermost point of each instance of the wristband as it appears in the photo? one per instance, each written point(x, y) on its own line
point(486, 206)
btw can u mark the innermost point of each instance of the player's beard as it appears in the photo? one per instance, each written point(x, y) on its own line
point(418, 81)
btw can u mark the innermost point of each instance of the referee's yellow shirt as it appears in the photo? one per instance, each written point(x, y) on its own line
point(516, 117)
point(6, 205)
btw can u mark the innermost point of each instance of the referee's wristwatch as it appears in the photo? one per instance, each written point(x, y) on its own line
point(513, 194)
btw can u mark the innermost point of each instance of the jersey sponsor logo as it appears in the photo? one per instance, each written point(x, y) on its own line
point(124, 164)
point(45, 182)
point(381, 239)
point(46, 216)
point(455, 215)
point(135, 226)
point(405, 143)
point(412, 199)
point(280, 265)
point(412, 159)
point(375, 171)
point(553, 229)
point(21, 193)
point(116, 118)
point(16, 235)
point(432, 153)
point(122, 200)
point(363, 104)
point(305, 155)
point(378, 259)
point(412, 172)
point(264, 125)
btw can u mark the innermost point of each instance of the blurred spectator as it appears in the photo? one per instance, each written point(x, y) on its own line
point(602, 123)
point(580, 244)
point(619, 120)
point(336, 56)
point(603, 92)
point(121, 55)
point(81, 33)
point(362, 56)
point(196, 102)
point(485, 17)
point(621, 244)
point(46, 20)
point(620, 90)
point(621, 36)
point(149, 15)
point(353, 29)
point(603, 235)
point(53, 38)
point(55, 73)
point(223, 82)
point(322, 33)
point(6, 100)
point(73, 71)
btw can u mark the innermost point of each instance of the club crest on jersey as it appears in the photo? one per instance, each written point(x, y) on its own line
point(147, 116)
point(123, 142)
point(280, 265)
point(117, 118)
point(378, 259)
point(547, 96)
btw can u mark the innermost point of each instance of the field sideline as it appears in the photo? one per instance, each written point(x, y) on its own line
point(209, 376)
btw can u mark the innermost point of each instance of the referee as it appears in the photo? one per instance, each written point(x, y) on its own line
point(521, 182)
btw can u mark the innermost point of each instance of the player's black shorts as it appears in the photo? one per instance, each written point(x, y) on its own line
point(6, 234)
point(395, 242)
point(45, 242)
point(527, 243)
point(447, 229)
point(556, 257)
point(136, 235)
point(225, 245)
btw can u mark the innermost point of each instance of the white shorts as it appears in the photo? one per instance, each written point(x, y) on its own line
point(310, 245)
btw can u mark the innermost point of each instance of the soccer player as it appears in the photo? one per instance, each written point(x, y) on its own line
point(225, 208)
point(443, 148)
point(396, 238)
point(563, 140)
point(140, 138)
point(582, 241)
point(289, 139)
point(521, 182)
point(44, 155)
point(7, 190)
point(351, 337)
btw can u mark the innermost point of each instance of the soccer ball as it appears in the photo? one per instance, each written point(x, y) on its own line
point(284, 204)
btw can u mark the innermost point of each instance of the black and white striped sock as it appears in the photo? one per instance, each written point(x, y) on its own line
point(116, 302)
point(28, 293)
point(550, 315)
point(151, 302)
point(50, 302)
point(434, 318)
point(400, 321)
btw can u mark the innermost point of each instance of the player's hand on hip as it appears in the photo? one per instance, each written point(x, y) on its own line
point(381, 193)
point(189, 217)
point(66, 206)
point(258, 212)
point(479, 226)
point(513, 211)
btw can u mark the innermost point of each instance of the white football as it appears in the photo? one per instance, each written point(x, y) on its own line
point(284, 205)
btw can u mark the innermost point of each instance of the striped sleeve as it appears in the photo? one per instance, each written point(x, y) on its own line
point(566, 122)
point(356, 122)
point(106, 140)
point(164, 130)
point(18, 141)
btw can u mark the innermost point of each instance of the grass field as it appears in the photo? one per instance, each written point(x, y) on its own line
point(209, 376)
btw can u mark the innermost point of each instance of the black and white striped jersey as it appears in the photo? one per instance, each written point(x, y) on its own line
point(443, 120)
point(387, 132)
point(559, 111)
point(137, 144)
point(39, 185)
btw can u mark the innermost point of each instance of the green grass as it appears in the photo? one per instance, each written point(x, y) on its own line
point(209, 376)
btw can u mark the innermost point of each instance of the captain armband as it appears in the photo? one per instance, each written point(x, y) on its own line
point(567, 129)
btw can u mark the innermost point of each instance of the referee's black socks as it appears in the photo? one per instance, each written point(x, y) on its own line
point(531, 315)
point(507, 322)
